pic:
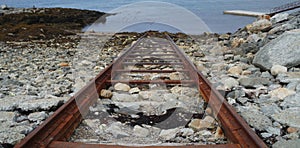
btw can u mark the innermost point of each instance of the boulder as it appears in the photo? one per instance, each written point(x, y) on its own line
point(281, 51)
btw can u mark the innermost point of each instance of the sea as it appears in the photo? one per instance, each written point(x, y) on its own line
point(184, 15)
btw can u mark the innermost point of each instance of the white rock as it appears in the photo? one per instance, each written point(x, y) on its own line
point(122, 87)
point(279, 17)
point(140, 131)
point(134, 90)
point(37, 116)
point(277, 69)
point(230, 83)
point(281, 93)
point(168, 134)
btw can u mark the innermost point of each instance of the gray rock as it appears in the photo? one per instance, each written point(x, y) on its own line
point(289, 116)
point(288, 77)
point(293, 85)
point(277, 69)
point(282, 28)
point(8, 104)
point(3, 7)
point(168, 134)
point(287, 144)
point(229, 83)
point(190, 92)
point(186, 132)
point(37, 116)
point(281, 93)
point(274, 131)
point(256, 119)
point(252, 82)
point(140, 131)
point(11, 137)
point(40, 104)
point(291, 101)
point(266, 74)
point(7, 116)
point(279, 17)
point(123, 97)
point(116, 130)
point(281, 51)
point(270, 109)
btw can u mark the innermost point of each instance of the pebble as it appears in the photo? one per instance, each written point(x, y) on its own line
point(106, 93)
point(168, 134)
point(140, 131)
point(122, 87)
point(292, 130)
point(277, 69)
point(229, 83)
point(281, 93)
point(236, 70)
point(37, 116)
point(134, 90)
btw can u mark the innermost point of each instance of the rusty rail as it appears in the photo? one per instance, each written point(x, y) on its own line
point(58, 128)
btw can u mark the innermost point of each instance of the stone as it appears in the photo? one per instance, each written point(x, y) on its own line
point(3, 7)
point(266, 135)
point(190, 92)
point(140, 131)
point(63, 64)
point(224, 37)
point(277, 69)
point(292, 130)
point(123, 97)
point(176, 76)
point(281, 93)
point(280, 51)
point(289, 116)
point(9, 103)
point(259, 25)
point(116, 130)
point(236, 70)
point(37, 116)
point(40, 104)
point(282, 28)
point(122, 87)
point(237, 42)
point(254, 38)
point(219, 133)
point(229, 83)
point(199, 124)
point(106, 93)
point(186, 132)
point(274, 131)
point(270, 109)
point(277, 18)
point(287, 144)
point(291, 101)
point(256, 119)
point(7, 116)
point(252, 82)
point(289, 77)
point(11, 138)
point(134, 90)
point(168, 134)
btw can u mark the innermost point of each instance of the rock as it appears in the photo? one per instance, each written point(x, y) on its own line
point(277, 18)
point(198, 54)
point(270, 109)
point(134, 90)
point(254, 38)
point(123, 97)
point(224, 37)
point(229, 83)
point(274, 131)
point(281, 93)
point(3, 7)
point(186, 132)
point(289, 116)
point(280, 51)
point(252, 82)
point(106, 93)
point(266, 74)
point(199, 124)
point(187, 91)
point(168, 134)
point(287, 144)
point(140, 131)
point(237, 42)
point(11, 137)
point(236, 70)
point(259, 25)
point(256, 119)
point(282, 28)
point(116, 130)
point(63, 64)
point(291, 101)
point(7, 116)
point(277, 69)
point(40, 104)
point(122, 87)
point(292, 130)
point(219, 133)
point(266, 135)
point(288, 77)
point(176, 76)
point(9, 103)
point(37, 116)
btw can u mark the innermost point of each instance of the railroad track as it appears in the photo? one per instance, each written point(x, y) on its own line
point(58, 128)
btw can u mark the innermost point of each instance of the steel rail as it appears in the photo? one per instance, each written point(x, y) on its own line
point(57, 129)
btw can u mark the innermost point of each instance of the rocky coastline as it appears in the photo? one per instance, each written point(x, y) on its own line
point(44, 60)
